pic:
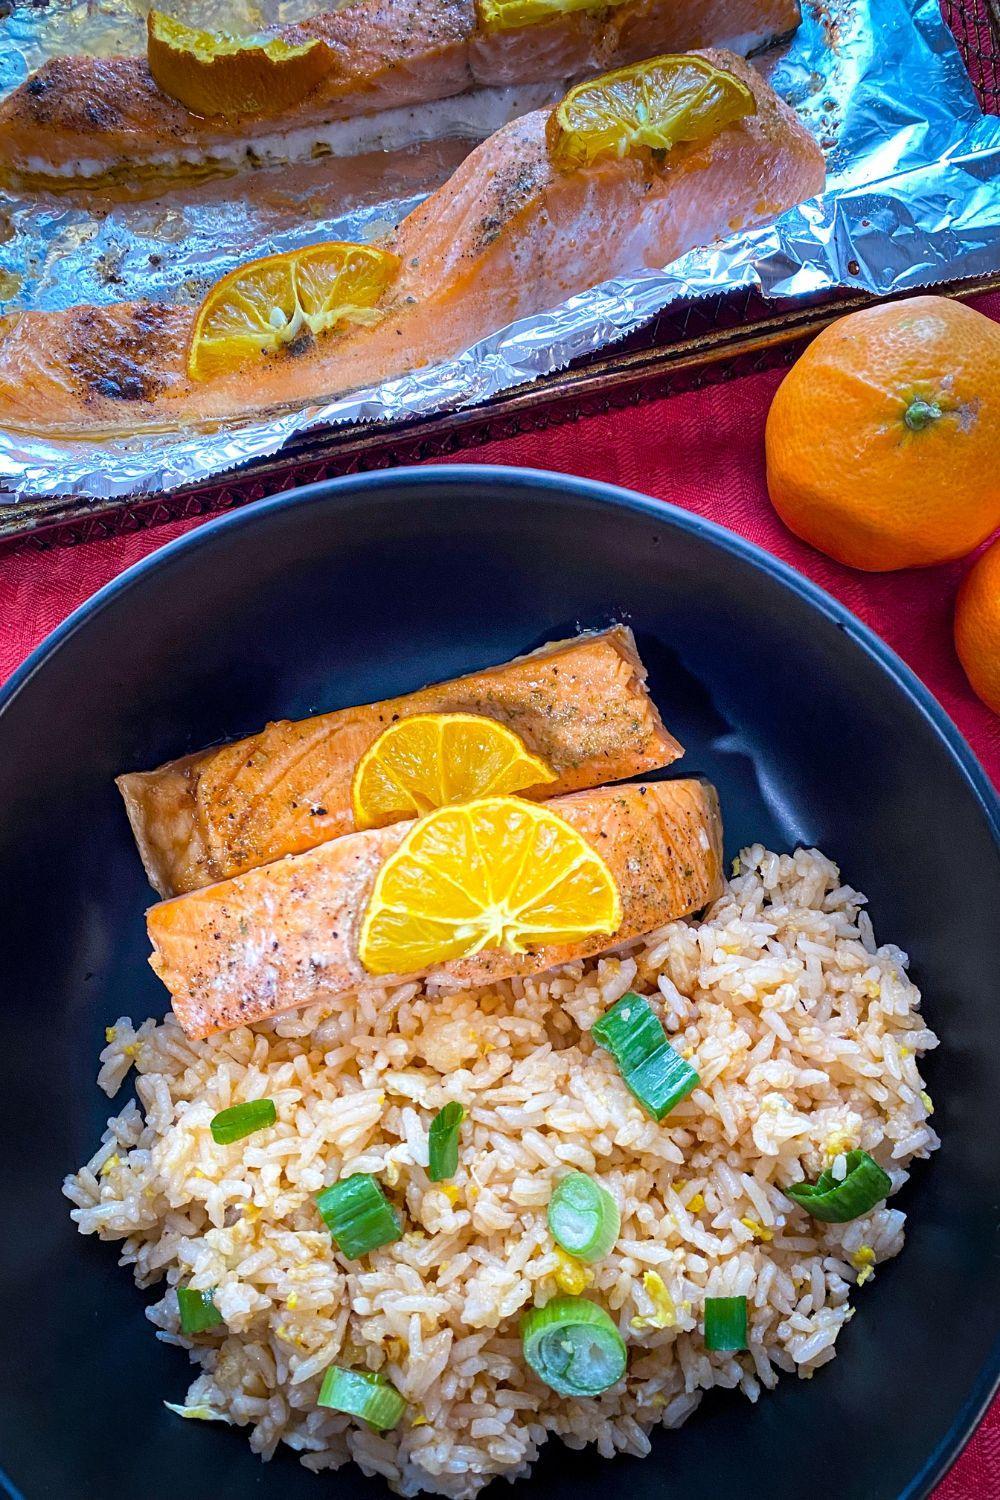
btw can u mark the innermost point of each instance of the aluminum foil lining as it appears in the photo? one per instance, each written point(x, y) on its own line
point(913, 199)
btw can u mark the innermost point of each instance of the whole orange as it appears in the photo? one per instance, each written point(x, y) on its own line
point(977, 626)
point(883, 441)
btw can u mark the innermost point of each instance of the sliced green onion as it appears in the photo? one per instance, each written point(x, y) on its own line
point(573, 1346)
point(583, 1217)
point(838, 1202)
point(360, 1393)
point(198, 1310)
point(442, 1142)
point(358, 1215)
point(243, 1119)
point(725, 1322)
point(657, 1075)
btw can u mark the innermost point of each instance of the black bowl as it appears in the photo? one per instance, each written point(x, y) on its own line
point(813, 731)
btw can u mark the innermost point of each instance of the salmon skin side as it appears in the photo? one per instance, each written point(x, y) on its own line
point(508, 235)
point(287, 935)
point(87, 116)
point(581, 705)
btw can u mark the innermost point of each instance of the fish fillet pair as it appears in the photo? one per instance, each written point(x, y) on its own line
point(510, 234)
point(256, 833)
point(93, 116)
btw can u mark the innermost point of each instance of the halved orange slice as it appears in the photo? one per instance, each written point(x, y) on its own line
point(281, 299)
point(647, 107)
point(216, 74)
point(495, 873)
point(430, 760)
point(507, 15)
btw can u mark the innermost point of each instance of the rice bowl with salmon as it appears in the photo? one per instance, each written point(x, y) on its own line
point(426, 1221)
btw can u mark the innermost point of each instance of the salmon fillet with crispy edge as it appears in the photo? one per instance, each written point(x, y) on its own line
point(287, 935)
point(509, 234)
point(92, 116)
point(581, 705)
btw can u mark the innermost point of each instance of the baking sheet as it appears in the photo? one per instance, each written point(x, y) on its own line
point(913, 199)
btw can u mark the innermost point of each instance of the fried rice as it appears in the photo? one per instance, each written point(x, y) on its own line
point(806, 1037)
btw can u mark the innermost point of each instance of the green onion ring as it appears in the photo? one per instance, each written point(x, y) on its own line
point(653, 1072)
point(233, 1124)
point(573, 1346)
point(583, 1217)
point(198, 1311)
point(725, 1323)
point(442, 1142)
point(839, 1202)
point(360, 1393)
point(358, 1215)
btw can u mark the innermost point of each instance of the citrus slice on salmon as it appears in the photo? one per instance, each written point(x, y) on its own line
point(281, 299)
point(510, 15)
point(215, 74)
point(495, 873)
point(649, 106)
point(431, 760)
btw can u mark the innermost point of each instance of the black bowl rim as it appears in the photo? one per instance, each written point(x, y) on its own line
point(940, 1460)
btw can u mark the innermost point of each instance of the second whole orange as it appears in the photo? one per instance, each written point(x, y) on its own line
point(883, 441)
point(977, 626)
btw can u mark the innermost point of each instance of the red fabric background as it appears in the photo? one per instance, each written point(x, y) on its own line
point(703, 451)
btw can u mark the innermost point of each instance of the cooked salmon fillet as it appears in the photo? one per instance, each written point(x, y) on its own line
point(581, 705)
point(508, 235)
point(91, 115)
point(287, 934)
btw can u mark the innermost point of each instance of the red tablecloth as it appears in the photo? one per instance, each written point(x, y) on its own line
point(703, 451)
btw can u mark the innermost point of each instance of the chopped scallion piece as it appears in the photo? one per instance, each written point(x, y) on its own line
point(583, 1217)
point(573, 1346)
point(442, 1142)
point(657, 1075)
point(360, 1393)
point(725, 1323)
point(198, 1310)
point(358, 1215)
point(838, 1202)
point(242, 1119)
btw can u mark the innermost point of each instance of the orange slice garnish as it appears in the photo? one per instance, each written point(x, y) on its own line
point(646, 108)
point(215, 74)
point(430, 760)
point(283, 300)
point(507, 15)
point(495, 873)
